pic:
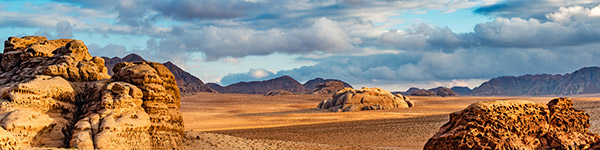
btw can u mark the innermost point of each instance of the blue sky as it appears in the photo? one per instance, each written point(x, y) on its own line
point(394, 44)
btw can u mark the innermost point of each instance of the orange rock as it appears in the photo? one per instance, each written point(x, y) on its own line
point(515, 124)
point(349, 99)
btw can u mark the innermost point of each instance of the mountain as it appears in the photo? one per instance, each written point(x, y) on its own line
point(111, 62)
point(439, 91)
point(312, 84)
point(462, 90)
point(187, 83)
point(261, 87)
point(583, 81)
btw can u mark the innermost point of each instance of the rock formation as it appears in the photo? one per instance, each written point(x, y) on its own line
point(515, 124)
point(312, 84)
point(55, 94)
point(187, 83)
point(261, 87)
point(439, 91)
point(349, 99)
point(583, 81)
point(327, 88)
point(278, 92)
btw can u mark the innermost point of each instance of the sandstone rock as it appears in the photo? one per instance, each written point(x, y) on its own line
point(515, 125)
point(327, 88)
point(53, 93)
point(278, 92)
point(161, 100)
point(349, 99)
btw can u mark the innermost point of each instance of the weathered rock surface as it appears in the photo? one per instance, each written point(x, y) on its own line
point(349, 99)
point(55, 94)
point(515, 125)
point(187, 83)
point(327, 88)
point(278, 92)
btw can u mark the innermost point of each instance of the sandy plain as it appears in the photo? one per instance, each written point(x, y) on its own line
point(244, 121)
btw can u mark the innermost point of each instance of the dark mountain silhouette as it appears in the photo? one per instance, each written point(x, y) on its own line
point(439, 91)
point(312, 84)
point(188, 84)
point(583, 81)
point(261, 87)
point(462, 90)
point(111, 62)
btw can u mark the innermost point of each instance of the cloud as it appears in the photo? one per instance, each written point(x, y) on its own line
point(251, 75)
point(64, 30)
point(530, 8)
point(567, 15)
point(216, 42)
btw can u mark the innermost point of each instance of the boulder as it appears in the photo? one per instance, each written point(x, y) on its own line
point(53, 93)
point(328, 88)
point(515, 124)
point(349, 99)
point(278, 92)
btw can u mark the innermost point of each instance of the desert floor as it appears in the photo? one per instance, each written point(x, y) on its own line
point(243, 121)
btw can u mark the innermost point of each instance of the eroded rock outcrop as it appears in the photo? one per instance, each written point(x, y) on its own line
point(515, 125)
point(53, 93)
point(327, 88)
point(349, 99)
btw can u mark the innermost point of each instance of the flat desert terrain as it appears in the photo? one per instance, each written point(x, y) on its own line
point(244, 121)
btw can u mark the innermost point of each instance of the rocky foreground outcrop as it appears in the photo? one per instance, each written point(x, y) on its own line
point(349, 99)
point(515, 125)
point(55, 94)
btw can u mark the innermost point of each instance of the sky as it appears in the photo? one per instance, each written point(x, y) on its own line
point(392, 44)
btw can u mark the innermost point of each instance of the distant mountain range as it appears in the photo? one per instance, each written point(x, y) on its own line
point(281, 83)
point(583, 81)
point(188, 84)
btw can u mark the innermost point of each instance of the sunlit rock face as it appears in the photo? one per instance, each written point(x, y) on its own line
point(53, 93)
point(349, 99)
point(515, 124)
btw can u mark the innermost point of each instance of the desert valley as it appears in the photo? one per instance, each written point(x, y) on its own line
point(56, 95)
point(300, 74)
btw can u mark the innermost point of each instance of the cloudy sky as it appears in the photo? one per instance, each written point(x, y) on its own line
point(394, 44)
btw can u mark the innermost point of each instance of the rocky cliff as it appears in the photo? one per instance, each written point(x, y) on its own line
point(187, 83)
point(515, 125)
point(582, 81)
point(55, 94)
point(261, 87)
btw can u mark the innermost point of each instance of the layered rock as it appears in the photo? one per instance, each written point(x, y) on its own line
point(55, 94)
point(439, 91)
point(327, 88)
point(515, 125)
point(161, 100)
point(278, 92)
point(349, 99)
point(187, 83)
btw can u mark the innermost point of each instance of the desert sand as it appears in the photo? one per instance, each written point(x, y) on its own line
point(245, 121)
